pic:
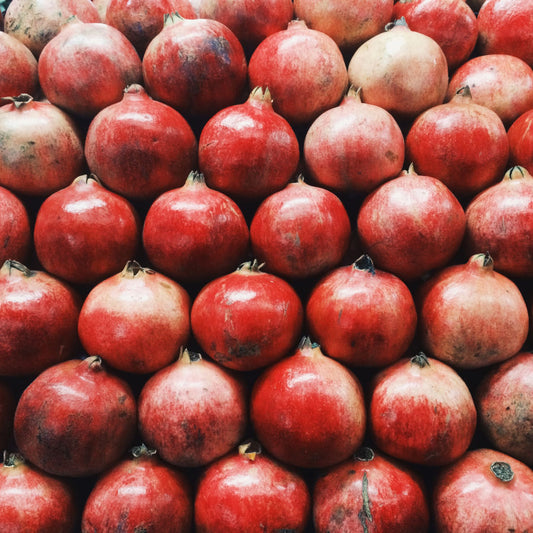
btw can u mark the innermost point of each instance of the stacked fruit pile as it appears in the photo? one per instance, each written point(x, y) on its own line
point(266, 266)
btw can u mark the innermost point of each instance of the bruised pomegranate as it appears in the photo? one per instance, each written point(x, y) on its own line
point(15, 231)
point(520, 135)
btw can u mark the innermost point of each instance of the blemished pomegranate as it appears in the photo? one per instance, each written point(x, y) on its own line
point(136, 320)
point(248, 490)
point(193, 411)
point(15, 230)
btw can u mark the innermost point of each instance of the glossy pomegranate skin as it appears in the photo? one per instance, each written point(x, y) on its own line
point(141, 492)
point(208, 69)
point(247, 319)
point(33, 500)
point(300, 231)
point(504, 400)
point(452, 24)
point(8, 403)
point(501, 82)
point(303, 69)
point(84, 232)
point(38, 317)
point(362, 316)
point(520, 135)
point(471, 316)
point(308, 410)
point(87, 66)
point(251, 491)
point(140, 147)
point(75, 419)
point(192, 411)
point(15, 230)
point(462, 143)
point(421, 411)
point(194, 233)
point(43, 151)
point(500, 219)
point(248, 151)
point(370, 490)
point(354, 146)
point(495, 505)
point(136, 320)
point(411, 225)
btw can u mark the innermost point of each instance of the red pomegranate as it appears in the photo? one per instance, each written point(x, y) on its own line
point(15, 230)
point(140, 147)
point(247, 150)
point(303, 69)
point(353, 147)
point(520, 135)
point(136, 320)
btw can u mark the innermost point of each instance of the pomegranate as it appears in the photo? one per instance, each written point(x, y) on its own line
point(247, 150)
point(247, 319)
point(348, 23)
point(7, 412)
point(504, 399)
point(75, 418)
point(307, 409)
point(42, 149)
point(421, 411)
point(208, 68)
point(300, 231)
point(32, 500)
point(362, 316)
point(86, 67)
point(249, 491)
point(354, 146)
point(471, 316)
point(137, 320)
point(140, 493)
point(462, 143)
point(501, 82)
point(139, 147)
point(363, 494)
point(502, 499)
point(192, 411)
point(520, 135)
point(383, 67)
point(303, 69)
point(500, 220)
point(36, 22)
point(15, 231)
point(194, 233)
point(38, 317)
point(84, 232)
point(411, 225)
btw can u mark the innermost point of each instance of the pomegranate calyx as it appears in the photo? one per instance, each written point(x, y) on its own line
point(250, 266)
point(522, 173)
point(94, 363)
point(307, 344)
point(420, 359)
point(250, 449)
point(195, 177)
point(12, 459)
point(133, 268)
point(365, 263)
point(502, 471)
point(398, 23)
point(260, 95)
point(12, 264)
point(172, 18)
point(18, 101)
point(483, 260)
point(464, 92)
point(188, 356)
point(364, 454)
point(142, 451)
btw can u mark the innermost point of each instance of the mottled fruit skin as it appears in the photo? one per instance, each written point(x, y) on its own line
point(471, 316)
point(250, 491)
point(139, 147)
point(248, 151)
point(362, 316)
point(495, 505)
point(136, 320)
point(504, 400)
point(75, 419)
point(421, 411)
point(247, 319)
point(15, 230)
point(500, 220)
point(192, 411)
point(87, 66)
point(38, 320)
point(353, 147)
point(370, 492)
point(520, 135)
point(303, 69)
point(7, 412)
point(411, 225)
point(308, 410)
point(84, 232)
point(31, 500)
point(208, 69)
point(140, 493)
point(300, 231)
point(41, 147)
